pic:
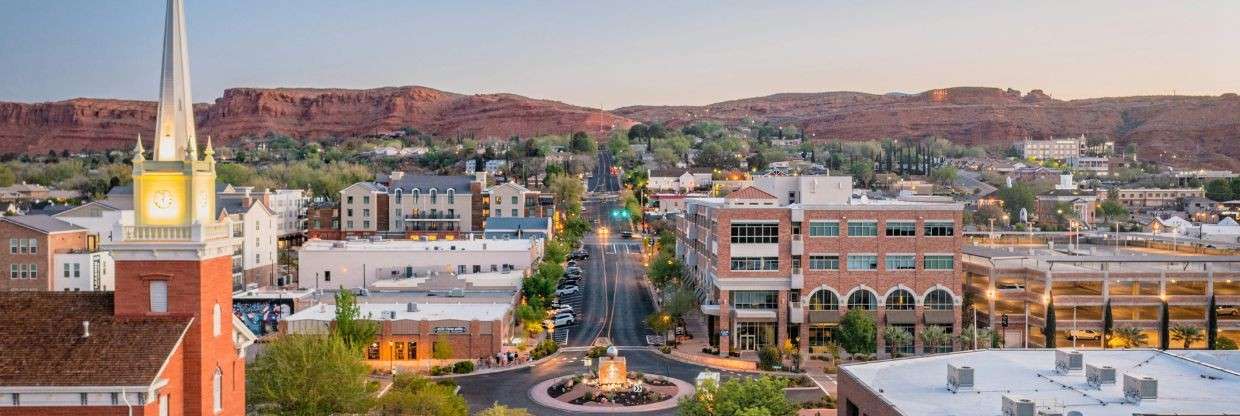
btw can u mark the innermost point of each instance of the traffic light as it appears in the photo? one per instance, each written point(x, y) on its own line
point(1005, 320)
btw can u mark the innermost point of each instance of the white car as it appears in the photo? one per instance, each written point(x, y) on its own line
point(1227, 310)
point(1085, 335)
point(562, 309)
point(571, 290)
point(562, 320)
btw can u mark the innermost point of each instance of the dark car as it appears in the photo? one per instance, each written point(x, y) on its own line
point(626, 235)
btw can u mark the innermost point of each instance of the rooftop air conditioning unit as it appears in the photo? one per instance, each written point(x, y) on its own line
point(959, 377)
point(1096, 376)
point(1050, 413)
point(1138, 387)
point(1018, 407)
point(1068, 361)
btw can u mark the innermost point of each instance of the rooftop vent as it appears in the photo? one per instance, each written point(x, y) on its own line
point(1068, 361)
point(1138, 387)
point(1096, 376)
point(959, 378)
point(1018, 407)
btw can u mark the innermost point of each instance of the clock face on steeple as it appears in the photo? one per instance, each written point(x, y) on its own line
point(163, 200)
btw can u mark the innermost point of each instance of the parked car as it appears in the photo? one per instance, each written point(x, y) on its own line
point(561, 309)
point(580, 254)
point(1228, 310)
point(570, 290)
point(564, 320)
point(1010, 286)
point(572, 269)
point(1085, 335)
point(572, 263)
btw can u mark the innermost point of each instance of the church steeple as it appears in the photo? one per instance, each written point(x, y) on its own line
point(174, 128)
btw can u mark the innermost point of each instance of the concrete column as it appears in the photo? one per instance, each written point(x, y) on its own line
point(919, 326)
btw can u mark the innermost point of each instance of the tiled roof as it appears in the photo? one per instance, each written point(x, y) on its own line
point(425, 182)
point(43, 223)
point(43, 343)
point(750, 192)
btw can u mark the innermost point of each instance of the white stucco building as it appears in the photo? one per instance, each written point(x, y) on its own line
point(361, 262)
point(83, 272)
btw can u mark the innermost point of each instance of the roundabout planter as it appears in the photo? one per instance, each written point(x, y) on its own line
point(672, 389)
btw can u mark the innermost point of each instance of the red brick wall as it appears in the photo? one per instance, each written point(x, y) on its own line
point(867, 403)
point(73, 411)
point(49, 245)
point(194, 287)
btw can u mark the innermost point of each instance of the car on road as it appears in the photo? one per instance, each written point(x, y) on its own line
point(626, 235)
point(563, 320)
point(570, 290)
point(580, 254)
point(1084, 335)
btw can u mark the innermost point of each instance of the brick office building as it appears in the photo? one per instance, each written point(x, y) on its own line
point(33, 243)
point(785, 258)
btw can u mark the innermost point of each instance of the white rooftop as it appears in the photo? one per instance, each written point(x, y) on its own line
point(485, 279)
point(418, 245)
point(918, 386)
point(424, 312)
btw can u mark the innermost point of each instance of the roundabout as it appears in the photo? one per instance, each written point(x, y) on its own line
point(612, 389)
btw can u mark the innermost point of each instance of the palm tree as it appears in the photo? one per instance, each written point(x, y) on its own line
point(985, 337)
point(1187, 334)
point(1130, 337)
point(934, 337)
point(896, 339)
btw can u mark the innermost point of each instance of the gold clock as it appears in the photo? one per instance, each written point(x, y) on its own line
point(162, 200)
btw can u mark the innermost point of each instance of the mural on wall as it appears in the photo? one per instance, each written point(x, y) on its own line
point(261, 317)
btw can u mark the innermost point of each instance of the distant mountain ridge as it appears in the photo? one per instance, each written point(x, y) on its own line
point(1197, 130)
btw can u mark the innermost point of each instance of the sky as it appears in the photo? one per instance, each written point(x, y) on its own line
point(611, 54)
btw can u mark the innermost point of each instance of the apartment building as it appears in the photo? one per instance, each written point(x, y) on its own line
point(361, 205)
point(83, 271)
point(360, 263)
point(254, 231)
point(34, 242)
point(785, 258)
point(1056, 149)
point(1136, 287)
point(287, 205)
point(1157, 198)
point(512, 200)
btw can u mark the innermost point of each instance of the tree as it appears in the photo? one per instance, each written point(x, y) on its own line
point(680, 302)
point(738, 396)
point(441, 349)
point(567, 189)
point(944, 175)
point(896, 338)
point(1108, 323)
point(1187, 334)
point(1019, 196)
point(1048, 331)
point(858, 332)
point(862, 171)
point(660, 323)
point(501, 410)
point(581, 143)
point(1111, 210)
point(7, 177)
point(304, 375)
point(1220, 190)
point(934, 338)
point(1211, 324)
point(356, 332)
point(413, 395)
point(986, 338)
point(1129, 337)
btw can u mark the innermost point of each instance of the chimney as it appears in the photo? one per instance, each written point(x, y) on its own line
point(85, 329)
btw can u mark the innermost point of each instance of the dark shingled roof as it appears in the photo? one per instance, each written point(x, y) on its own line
point(44, 223)
point(41, 342)
point(425, 182)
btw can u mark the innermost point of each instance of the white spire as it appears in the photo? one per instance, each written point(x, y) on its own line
point(174, 128)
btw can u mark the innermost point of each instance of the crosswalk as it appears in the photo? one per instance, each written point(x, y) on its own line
point(624, 248)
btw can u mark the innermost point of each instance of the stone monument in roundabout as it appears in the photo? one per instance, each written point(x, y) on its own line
point(610, 389)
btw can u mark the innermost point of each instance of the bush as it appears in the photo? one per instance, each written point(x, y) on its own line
point(1224, 344)
point(596, 351)
point(769, 358)
point(463, 367)
point(544, 349)
point(666, 349)
point(441, 370)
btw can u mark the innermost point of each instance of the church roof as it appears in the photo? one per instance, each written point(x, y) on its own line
point(43, 342)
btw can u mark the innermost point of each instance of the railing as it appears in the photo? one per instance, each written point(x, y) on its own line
point(429, 216)
point(175, 232)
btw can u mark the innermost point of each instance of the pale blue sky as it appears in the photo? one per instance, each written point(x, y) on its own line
point(602, 54)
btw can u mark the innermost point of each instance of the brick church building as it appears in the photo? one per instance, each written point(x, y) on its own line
point(166, 341)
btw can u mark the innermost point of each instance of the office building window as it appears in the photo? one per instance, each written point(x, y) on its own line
point(755, 233)
point(939, 299)
point(940, 229)
point(901, 229)
point(824, 262)
point(900, 300)
point(754, 299)
point(365, 199)
point(938, 262)
point(823, 300)
point(34, 246)
point(348, 200)
point(901, 262)
point(12, 271)
point(755, 263)
point(857, 262)
point(862, 299)
point(824, 228)
point(12, 246)
point(862, 228)
point(514, 212)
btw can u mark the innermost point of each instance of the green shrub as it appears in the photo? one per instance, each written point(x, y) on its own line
point(769, 358)
point(463, 367)
point(1224, 344)
point(544, 349)
point(441, 370)
point(596, 351)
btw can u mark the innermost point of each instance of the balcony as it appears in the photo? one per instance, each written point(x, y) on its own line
point(798, 278)
point(710, 309)
point(796, 313)
point(798, 245)
point(428, 216)
point(194, 232)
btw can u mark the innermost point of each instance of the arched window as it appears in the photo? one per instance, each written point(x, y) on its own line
point(451, 196)
point(416, 193)
point(900, 299)
point(939, 299)
point(434, 198)
point(215, 319)
point(863, 299)
point(823, 300)
point(217, 390)
point(399, 194)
